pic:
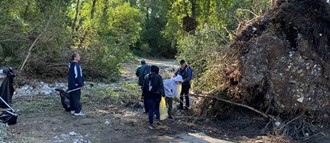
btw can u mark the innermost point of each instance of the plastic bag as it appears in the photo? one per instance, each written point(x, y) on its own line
point(179, 91)
point(163, 109)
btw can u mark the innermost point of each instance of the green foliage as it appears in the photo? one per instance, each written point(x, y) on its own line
point(101, 30)
point(152, 40)
point(118, 28)
point(203, 48)
point(105, 32)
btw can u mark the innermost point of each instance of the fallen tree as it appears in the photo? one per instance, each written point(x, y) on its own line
point(279, 65)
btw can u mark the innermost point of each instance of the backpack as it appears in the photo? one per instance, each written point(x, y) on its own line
point(150, 83)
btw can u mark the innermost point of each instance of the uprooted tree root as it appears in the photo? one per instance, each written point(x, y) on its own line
point(278, 65)
point(296, 128)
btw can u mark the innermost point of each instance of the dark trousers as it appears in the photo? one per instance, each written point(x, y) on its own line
point(169, 103)
point(145, 104)
point(75, 101)
point(185, 94)
point(153, 104)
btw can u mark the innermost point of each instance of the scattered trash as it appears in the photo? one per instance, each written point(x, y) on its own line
point(71, 137)
point(277, 124)
point(107, 122)
point(72, 133)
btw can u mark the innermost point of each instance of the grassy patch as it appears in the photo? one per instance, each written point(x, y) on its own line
point(113, 94)
point(39, 104)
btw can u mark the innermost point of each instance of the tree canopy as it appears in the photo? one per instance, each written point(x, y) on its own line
point(106, 32)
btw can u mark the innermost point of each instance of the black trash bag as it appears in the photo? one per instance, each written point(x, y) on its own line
point(65, 99)
point(7, 88)
point(8, 117)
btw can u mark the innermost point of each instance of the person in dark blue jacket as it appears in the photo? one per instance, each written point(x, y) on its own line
point(75, 80)
point(187, 73)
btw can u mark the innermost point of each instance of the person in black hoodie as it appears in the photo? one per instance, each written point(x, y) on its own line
point(153, 89)
point(75, 80)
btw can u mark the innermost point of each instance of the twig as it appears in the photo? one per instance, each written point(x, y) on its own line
point(35, 41)
point(223, 38)
point(185, 117)
point(234, 103)
point(291, 121)
point(248, 11)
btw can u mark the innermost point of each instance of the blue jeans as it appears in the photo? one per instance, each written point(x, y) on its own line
point(153, 104)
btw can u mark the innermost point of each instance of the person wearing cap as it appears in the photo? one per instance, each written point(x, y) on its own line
point(141, 72)
point(153, 89)
point(186, 72)
point(171, 90)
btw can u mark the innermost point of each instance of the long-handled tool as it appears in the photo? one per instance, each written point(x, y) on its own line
point(3, 101)
point(184, 105)
point(65, 96)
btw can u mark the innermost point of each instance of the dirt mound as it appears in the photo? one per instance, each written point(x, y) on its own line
point(281, 63)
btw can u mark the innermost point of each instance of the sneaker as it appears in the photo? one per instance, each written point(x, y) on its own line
point(151, 127)
point(185, 108)
point(79, 114)
point(72, 112)
point(158, 123)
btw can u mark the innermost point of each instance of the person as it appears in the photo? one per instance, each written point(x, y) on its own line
point(153, 89)
point(75, 81)
point(171, 90)
point(141, 72)
point(186, 72)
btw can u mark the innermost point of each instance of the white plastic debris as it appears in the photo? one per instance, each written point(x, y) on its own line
point(277, 124)
point(301, 99)
point(72, 133)
point(107, 122)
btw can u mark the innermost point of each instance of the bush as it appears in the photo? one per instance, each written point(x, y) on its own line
point(201, 51)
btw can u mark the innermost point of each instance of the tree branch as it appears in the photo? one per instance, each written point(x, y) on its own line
point(248, 11)
point(234, 103)
point(35, 41)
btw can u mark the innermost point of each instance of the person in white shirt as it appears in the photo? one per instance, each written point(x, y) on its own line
point(171, 90)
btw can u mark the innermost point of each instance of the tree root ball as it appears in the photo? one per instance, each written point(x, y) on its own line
point(281, 62)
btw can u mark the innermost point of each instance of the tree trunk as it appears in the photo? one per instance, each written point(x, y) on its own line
point(93, 9)
point(272, 3)
point(75, 20)
point(26, 10)
point(193, 9)
point(106, 6)
point(186, 9)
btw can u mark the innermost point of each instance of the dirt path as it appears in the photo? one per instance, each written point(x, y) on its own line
point(110, 117)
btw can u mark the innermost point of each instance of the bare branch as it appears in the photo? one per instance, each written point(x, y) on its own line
point(35, 41)
point(248, 11)
point(234, 103)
